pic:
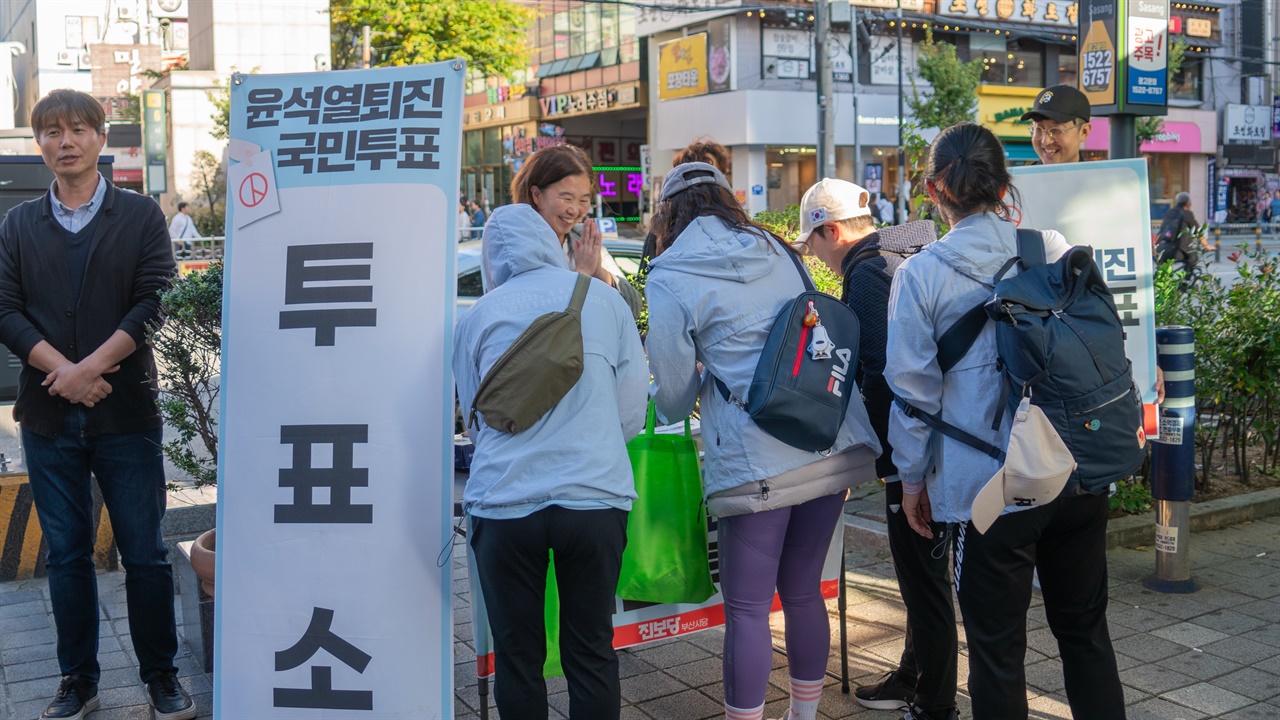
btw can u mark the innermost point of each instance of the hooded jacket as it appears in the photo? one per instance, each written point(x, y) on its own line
point(931, 290)
point(713, 296)
point(576, 455)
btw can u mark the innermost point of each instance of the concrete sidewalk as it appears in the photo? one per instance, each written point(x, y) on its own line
point(1213, 654)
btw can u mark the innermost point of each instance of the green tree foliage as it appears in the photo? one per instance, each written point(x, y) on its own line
point(209, 180)
point(489, 34)
point(954, 97)
point(786, 225)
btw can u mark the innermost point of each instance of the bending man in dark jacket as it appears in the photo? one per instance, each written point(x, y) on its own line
point(81, 269)
point(836, 226)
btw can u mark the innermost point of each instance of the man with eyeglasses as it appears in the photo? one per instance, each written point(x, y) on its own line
point(1059, 124)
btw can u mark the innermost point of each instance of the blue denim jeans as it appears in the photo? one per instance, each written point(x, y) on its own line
point(130, 472)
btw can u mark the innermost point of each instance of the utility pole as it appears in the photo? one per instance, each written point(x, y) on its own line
point(364, 57)
point(902, 155)
point(826, 118)
point(857, 87)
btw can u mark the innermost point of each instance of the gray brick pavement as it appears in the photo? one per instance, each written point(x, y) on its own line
point(1213, 654)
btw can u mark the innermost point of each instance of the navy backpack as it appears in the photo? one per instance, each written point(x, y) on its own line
point(1059, 342)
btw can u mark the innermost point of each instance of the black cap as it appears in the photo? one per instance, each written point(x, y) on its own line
point(1060, 103)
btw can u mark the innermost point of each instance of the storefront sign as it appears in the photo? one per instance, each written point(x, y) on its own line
point(1275, 116)
point(682, 67)
point(155, 142)
point(1198, 27)
point(1147, 39)
point(786, 43)
point(719, 59)
point(913, 5)
point(1176, 137)
point(657, 16)
point(884, 60)
point(1050, 12)
point(1000, 109)
point(1247, 124)
point(582, 102)
point(514, 111)
point(336, 495)
point(1098, 52)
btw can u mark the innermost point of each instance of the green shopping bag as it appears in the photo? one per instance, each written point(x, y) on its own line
point(666, 556)
point(551, 610)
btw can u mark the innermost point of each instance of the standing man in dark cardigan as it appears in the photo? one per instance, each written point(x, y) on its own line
point(81, 270)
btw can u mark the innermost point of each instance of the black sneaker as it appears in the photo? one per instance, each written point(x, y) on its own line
point(169, 700)
point(76, 698)
point(891, 693)
point(915, 712)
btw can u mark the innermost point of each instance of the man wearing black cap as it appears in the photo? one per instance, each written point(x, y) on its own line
point(1059, 124)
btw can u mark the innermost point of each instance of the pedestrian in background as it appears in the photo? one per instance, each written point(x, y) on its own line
point(924, 682)
point(557, 181)
point(885, 208)
point(563, 486)
point(1174, 239)
point(1066, 538)
point(464, 220)
point(87, 396)
point(477, 220)
point(714, 289)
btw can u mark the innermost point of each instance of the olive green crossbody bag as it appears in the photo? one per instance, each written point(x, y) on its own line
point(536, 372)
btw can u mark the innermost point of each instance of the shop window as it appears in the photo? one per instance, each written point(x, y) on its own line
point(630, 51)
point(577, 31)
point(471, 149)
point(492, 152)
point(609, 26)
point(1021, 65)
point(592, 29)
point(1185, 85)
point(561, 37)
point(1068, 68)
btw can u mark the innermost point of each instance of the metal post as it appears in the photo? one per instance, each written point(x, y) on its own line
point(1257, 235)
point(366, 52)
point(857, 139)
point(902, 155)
point(1217, 243)
point(1173, 470)
point(826, 119)
point(1124, 136)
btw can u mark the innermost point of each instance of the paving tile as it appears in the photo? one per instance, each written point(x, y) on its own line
point(18, 597)
point(1147, 648)
point(1158, 709)
point(1242, 650)
point(22, 609)
point(645, 687)
point(1154, 680)
point(34, 621)
point(1261, 711)
point(1229, 621)
point(1208, 698)
point(1200, 665)
point(1251, 683)
point(688, 705)
point(1189, 634)
point(32, 670)
point(672, 654)
point(700, 673)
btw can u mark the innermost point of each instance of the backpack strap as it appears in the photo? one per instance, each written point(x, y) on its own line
point(937, 423)
point(579, 294)
point(1031, 247)
point(800, 268)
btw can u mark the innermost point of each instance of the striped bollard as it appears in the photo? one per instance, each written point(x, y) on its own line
point(1173, 470)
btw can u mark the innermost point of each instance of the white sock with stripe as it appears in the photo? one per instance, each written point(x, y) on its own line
point(733, 713)
point(805, 695)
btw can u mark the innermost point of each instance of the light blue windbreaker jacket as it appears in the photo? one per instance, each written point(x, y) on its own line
point(576, 455)
point(713, 297)
point(931, 290)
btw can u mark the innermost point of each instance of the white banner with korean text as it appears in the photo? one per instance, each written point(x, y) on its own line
point(1105, 205)
point(335, 491)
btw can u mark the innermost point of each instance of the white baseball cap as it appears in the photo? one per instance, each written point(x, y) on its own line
point(1036, 468)
point(830, 200)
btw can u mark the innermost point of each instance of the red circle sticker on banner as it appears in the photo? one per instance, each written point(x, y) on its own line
point(253, 189)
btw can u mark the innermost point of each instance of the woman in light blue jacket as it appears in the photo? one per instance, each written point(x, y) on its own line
point(941, 476)
point(714, 291)
point(563, 485)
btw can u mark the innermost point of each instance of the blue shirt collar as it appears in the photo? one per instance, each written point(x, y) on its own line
point(90, 207)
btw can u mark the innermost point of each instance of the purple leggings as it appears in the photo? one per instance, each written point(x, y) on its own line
point(782, 548)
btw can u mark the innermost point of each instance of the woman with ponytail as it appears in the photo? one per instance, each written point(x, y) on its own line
point(1064, 539)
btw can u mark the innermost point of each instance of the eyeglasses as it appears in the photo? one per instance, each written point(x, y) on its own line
point(1055, 134)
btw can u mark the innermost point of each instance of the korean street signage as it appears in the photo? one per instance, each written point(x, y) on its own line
point(1247, 124)
point(658, 16)
point(336, 484)
point(1000, 109)
point(912, 5)
point(1147, 42)
point(1124, 56)
point(155, 143)
point(1047, 12)
point(682, 67)
point(593, 100)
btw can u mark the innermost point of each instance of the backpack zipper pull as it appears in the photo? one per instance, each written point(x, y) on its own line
point(764, 491)
point(472, 422)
